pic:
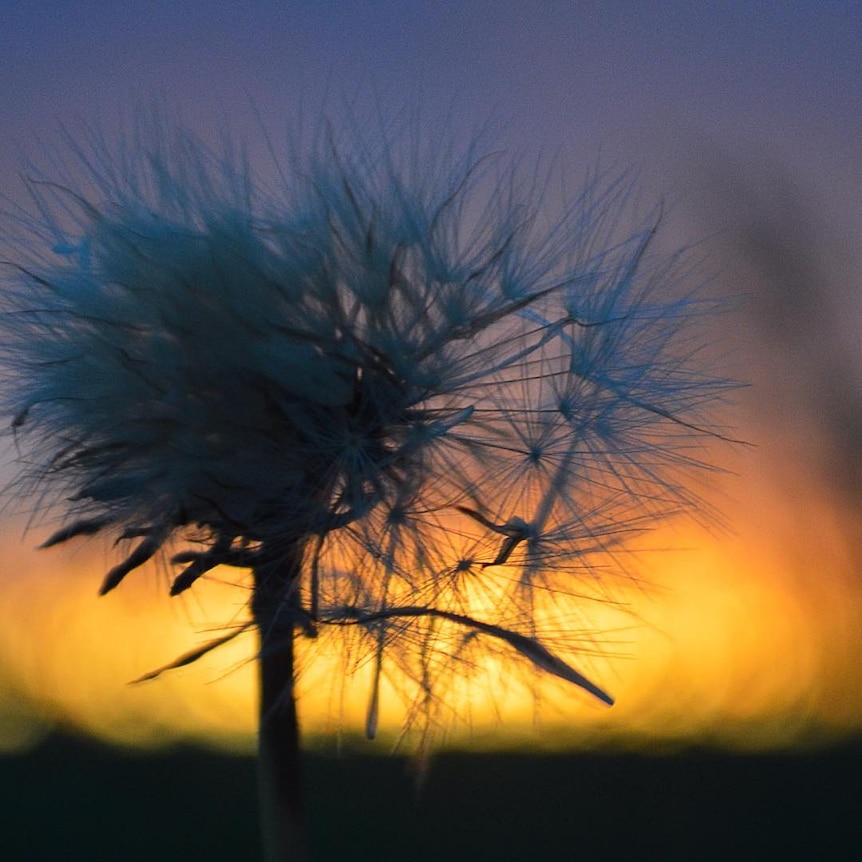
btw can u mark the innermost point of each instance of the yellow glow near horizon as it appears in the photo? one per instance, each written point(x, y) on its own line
point(726, 644)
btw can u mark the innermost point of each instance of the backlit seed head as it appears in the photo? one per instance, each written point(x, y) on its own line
point(396, 362)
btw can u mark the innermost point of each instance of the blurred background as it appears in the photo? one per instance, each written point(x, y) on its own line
point(738, 675)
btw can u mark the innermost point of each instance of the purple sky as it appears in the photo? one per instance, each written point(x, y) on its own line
point(685, 92)
point(629, 78)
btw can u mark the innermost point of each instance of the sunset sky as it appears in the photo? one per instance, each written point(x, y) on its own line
point(745, 121)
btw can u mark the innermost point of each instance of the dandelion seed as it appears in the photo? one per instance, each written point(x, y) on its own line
point(380, 388)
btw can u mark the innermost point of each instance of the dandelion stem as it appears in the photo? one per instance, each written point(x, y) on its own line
point(274, 607)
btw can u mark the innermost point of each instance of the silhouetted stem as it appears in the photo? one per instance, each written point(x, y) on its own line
point(285, 837)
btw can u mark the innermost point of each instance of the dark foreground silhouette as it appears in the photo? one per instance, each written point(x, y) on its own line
point(72, 799)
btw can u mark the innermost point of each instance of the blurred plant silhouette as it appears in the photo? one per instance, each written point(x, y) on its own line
point(413, 403)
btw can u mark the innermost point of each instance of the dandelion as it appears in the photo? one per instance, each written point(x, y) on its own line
point(415, 408)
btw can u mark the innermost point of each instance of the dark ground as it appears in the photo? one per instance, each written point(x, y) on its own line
point(74, 800)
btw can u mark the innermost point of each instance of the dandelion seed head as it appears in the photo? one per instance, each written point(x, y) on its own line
point(392, 363)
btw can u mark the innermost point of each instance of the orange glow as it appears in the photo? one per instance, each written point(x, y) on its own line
point(746, 640)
